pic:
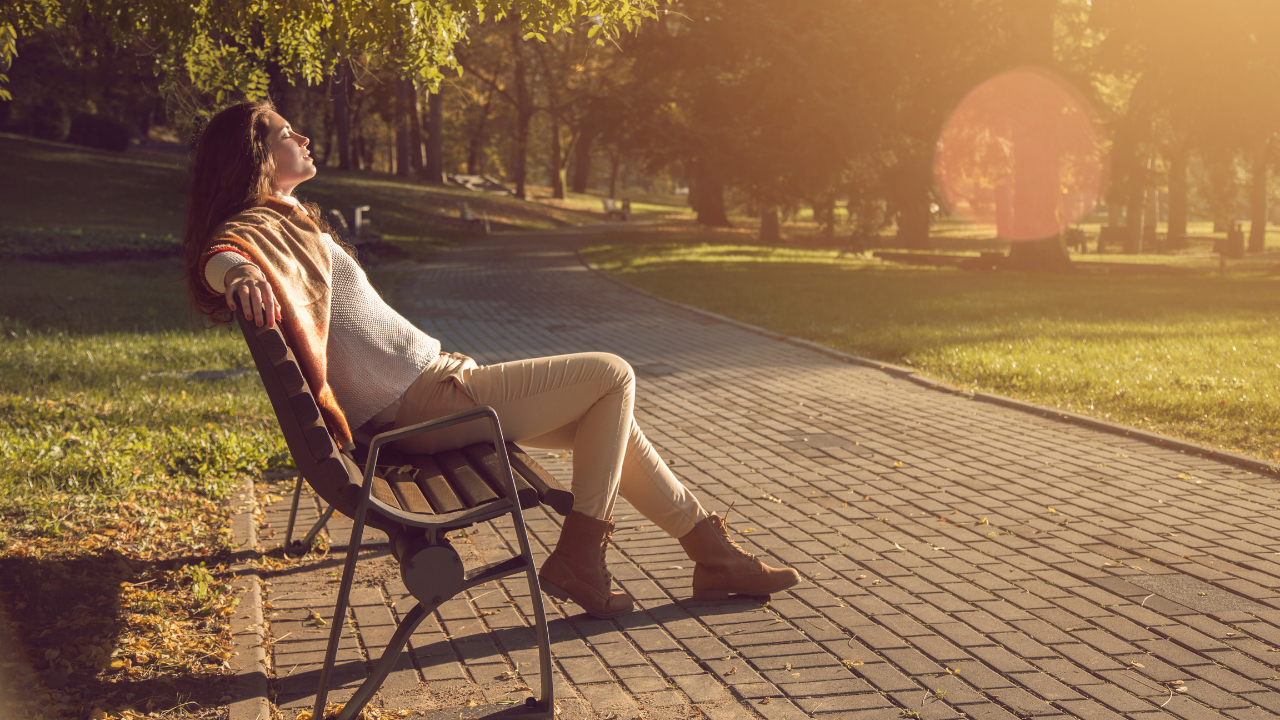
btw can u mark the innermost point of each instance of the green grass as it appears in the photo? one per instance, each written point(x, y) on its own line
point(92, 400)
point(64, 195)
point(1195, 355)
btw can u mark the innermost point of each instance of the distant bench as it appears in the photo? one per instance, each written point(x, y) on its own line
point(615, 211)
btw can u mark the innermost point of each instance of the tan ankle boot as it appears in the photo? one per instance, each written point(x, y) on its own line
point(576, 570)
point(723, 568)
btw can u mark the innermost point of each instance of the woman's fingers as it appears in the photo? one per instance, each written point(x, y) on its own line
point(256, 298)
point(245, 297)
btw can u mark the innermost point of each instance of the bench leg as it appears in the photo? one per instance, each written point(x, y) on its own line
point(546, 699)
point(371, 684)
point(302, 547)
point(340, 610)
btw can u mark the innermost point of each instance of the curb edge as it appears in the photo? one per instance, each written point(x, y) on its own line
point(249, 658)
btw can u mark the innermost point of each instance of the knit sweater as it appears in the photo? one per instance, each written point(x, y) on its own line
point(372, 353)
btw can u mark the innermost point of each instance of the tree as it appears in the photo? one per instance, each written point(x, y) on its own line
point(1204, 80)
point(226, 48)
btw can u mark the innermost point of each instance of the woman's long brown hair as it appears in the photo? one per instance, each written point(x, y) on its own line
point(231, 173)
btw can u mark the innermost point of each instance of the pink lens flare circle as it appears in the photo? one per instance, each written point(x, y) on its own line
point(1023, 151)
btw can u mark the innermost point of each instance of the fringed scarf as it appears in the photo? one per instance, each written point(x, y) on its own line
point(287, 246)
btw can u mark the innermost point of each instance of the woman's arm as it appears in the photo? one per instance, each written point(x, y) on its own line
point(259, 303)
point(233, 274)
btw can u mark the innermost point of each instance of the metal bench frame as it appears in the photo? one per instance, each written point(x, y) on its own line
point(438, 560)
point(431, 569)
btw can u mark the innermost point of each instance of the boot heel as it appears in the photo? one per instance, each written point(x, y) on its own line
point(710, 594)
point(554, 591)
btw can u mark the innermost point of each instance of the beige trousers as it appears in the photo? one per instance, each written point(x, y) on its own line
point(581, 402)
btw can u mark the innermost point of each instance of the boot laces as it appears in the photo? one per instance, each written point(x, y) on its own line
point(724, 534)
point(604, 548)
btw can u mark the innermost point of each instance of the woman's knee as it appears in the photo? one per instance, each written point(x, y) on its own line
point(620, 370)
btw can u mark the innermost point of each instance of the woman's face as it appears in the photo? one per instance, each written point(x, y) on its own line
point(292, 158)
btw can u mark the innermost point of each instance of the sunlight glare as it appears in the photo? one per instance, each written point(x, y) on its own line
point(1022, 151)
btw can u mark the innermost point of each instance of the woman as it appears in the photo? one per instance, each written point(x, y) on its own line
point(369, 368)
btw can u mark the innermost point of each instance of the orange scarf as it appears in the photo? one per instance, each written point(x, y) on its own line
point(287, 246)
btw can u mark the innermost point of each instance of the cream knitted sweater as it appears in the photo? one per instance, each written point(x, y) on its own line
point(374, 352)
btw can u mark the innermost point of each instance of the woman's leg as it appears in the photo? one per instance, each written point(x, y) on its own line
point(582, 401)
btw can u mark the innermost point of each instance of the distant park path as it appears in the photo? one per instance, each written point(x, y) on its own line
point(961, 559)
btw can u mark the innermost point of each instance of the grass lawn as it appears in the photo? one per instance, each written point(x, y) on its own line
point(1195, 356)
point(54, 195)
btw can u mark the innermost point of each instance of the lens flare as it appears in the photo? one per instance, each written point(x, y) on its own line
point(1023, 151)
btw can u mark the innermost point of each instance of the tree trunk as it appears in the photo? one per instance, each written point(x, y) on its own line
point(582, 162)
point(557, 167)
point(913, 178)
point(1176, 238)
point(1134, 215)
point(709, 185)
point(415, 130)
point(1258, 203)
point(1037, 197)
point(524, 114)
point(615, 164)
point(1032, 38)
point(342, 113)
point(770, 230)
point(913, 224)
point(824, 213)
point(433, 170)
point(404, 125)
point(475, 144)
point(1151, 220)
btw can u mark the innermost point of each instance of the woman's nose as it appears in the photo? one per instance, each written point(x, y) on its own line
point(303, 140)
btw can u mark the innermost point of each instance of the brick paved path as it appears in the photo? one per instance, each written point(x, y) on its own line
point(960, 559)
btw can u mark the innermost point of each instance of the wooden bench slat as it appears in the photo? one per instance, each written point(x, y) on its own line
point(484, 456)
point(550, 491)
point(464, 479)
point(434, 485)
point(403, 483)
point(382, 490)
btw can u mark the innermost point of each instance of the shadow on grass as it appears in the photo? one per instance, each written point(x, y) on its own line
point(67, 615)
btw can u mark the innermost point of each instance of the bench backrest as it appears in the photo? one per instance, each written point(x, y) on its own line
point(333, 475)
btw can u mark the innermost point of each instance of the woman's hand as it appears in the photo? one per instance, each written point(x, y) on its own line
point(259, 303)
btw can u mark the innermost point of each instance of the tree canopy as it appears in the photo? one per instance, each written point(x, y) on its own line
point(230, 46)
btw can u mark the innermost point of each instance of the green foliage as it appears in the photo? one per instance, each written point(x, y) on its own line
point(1189, 355)
point(225, 48)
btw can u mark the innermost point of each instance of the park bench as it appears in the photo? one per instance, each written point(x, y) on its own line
point(470, 220)
point(614, 211)
point(415, 506)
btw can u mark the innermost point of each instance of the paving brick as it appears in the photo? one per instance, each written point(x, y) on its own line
point(1115, 697)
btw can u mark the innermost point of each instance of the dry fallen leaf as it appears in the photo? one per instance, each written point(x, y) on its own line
point(732, 671)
